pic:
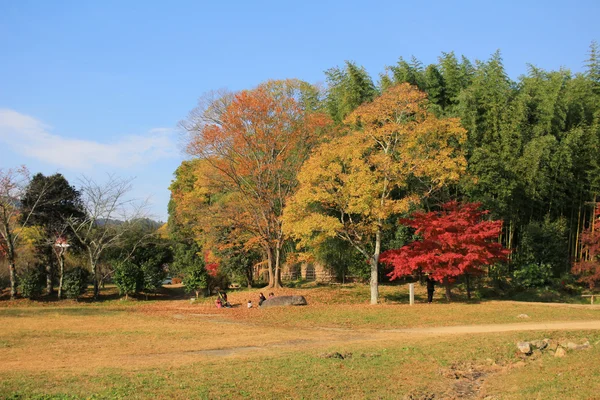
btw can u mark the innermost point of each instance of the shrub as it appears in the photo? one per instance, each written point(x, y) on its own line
point(75, 282)
point(31, 283)
point(533, 275)
point(128, 277)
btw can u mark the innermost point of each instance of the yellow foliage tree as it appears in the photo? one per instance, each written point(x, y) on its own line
point(395, 153)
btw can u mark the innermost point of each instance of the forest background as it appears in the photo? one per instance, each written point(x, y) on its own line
point(531, 158)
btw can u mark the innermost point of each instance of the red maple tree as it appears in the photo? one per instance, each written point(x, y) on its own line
point(212, 269)
point(455, 241)
point(588, 269)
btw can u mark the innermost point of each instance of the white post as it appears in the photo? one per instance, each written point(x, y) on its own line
point(411, 291)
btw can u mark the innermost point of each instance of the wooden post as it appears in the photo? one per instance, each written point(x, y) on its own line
point(411, 291)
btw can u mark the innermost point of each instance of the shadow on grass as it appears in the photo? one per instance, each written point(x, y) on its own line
point(108, 294)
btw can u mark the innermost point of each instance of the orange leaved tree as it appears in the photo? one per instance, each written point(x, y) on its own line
point(396, 153)
point(255, 148)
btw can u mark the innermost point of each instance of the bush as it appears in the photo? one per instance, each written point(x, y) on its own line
point(128, 277)
point(75, 282)
point(533, 275)
point(31, 283)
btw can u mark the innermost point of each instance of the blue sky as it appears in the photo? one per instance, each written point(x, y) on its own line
point(97, 87)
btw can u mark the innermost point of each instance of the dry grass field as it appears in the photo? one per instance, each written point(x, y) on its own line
point(337, 346)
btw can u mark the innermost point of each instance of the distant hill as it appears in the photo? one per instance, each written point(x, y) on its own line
point(146, 222)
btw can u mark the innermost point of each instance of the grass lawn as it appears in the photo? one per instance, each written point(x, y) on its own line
point(175, 349)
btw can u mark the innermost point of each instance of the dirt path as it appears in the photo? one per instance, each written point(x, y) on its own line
point(491, 328)
point(322, 336)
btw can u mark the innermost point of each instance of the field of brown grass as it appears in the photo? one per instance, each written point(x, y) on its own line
point(337, 346)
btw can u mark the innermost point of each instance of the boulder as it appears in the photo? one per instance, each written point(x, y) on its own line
point(552, 344)
point(560, 352)
point(540, 344)
point(524, 347)
point(284, 301)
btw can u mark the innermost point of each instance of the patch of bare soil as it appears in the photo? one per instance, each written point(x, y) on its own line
point(466, 379)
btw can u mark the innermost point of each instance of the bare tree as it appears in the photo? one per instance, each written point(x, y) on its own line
point(13, 184)
point(109, 215)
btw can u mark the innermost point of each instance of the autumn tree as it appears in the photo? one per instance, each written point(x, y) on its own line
point(253, 152)
point(455, 241)
point(13, 184)
point(588, 269)
point(395, 154)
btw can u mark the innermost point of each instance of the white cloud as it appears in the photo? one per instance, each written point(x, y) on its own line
point(30, 137)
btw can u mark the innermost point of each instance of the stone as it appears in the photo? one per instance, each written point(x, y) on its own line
point(584, 345)
point(524, 347)
point(284, 301)
point(522, 316)
point(552, 344)
point(535, 354)
point(572, 346)
point(540, 344)
point(560, 352)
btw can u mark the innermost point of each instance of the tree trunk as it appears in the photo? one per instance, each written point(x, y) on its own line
point(13, 279)
point(277, 281)
point(94, 268)
point(374, 269)
point(249, 279)
point(61, 261)
point(468, 282)
point(96, 285)
point(448, 293)
point(49, 282)
point(270, 266)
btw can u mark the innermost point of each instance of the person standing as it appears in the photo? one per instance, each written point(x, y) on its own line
point(430, 288)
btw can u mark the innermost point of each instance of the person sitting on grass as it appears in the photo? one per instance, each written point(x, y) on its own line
point(261, 298)
point(223, 298)
point(218, 303)
point(271, 295)
point(249, 303)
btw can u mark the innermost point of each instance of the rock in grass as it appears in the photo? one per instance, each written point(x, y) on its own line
point(539, 344)
point(552, 344)
point(284, 301)
point(524, 347)
point(525, 316)
point(560, 352)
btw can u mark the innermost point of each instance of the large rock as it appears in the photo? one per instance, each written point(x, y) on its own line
point(524, 347)
point(540, 344)
point(560, 352)
point(285, 301)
